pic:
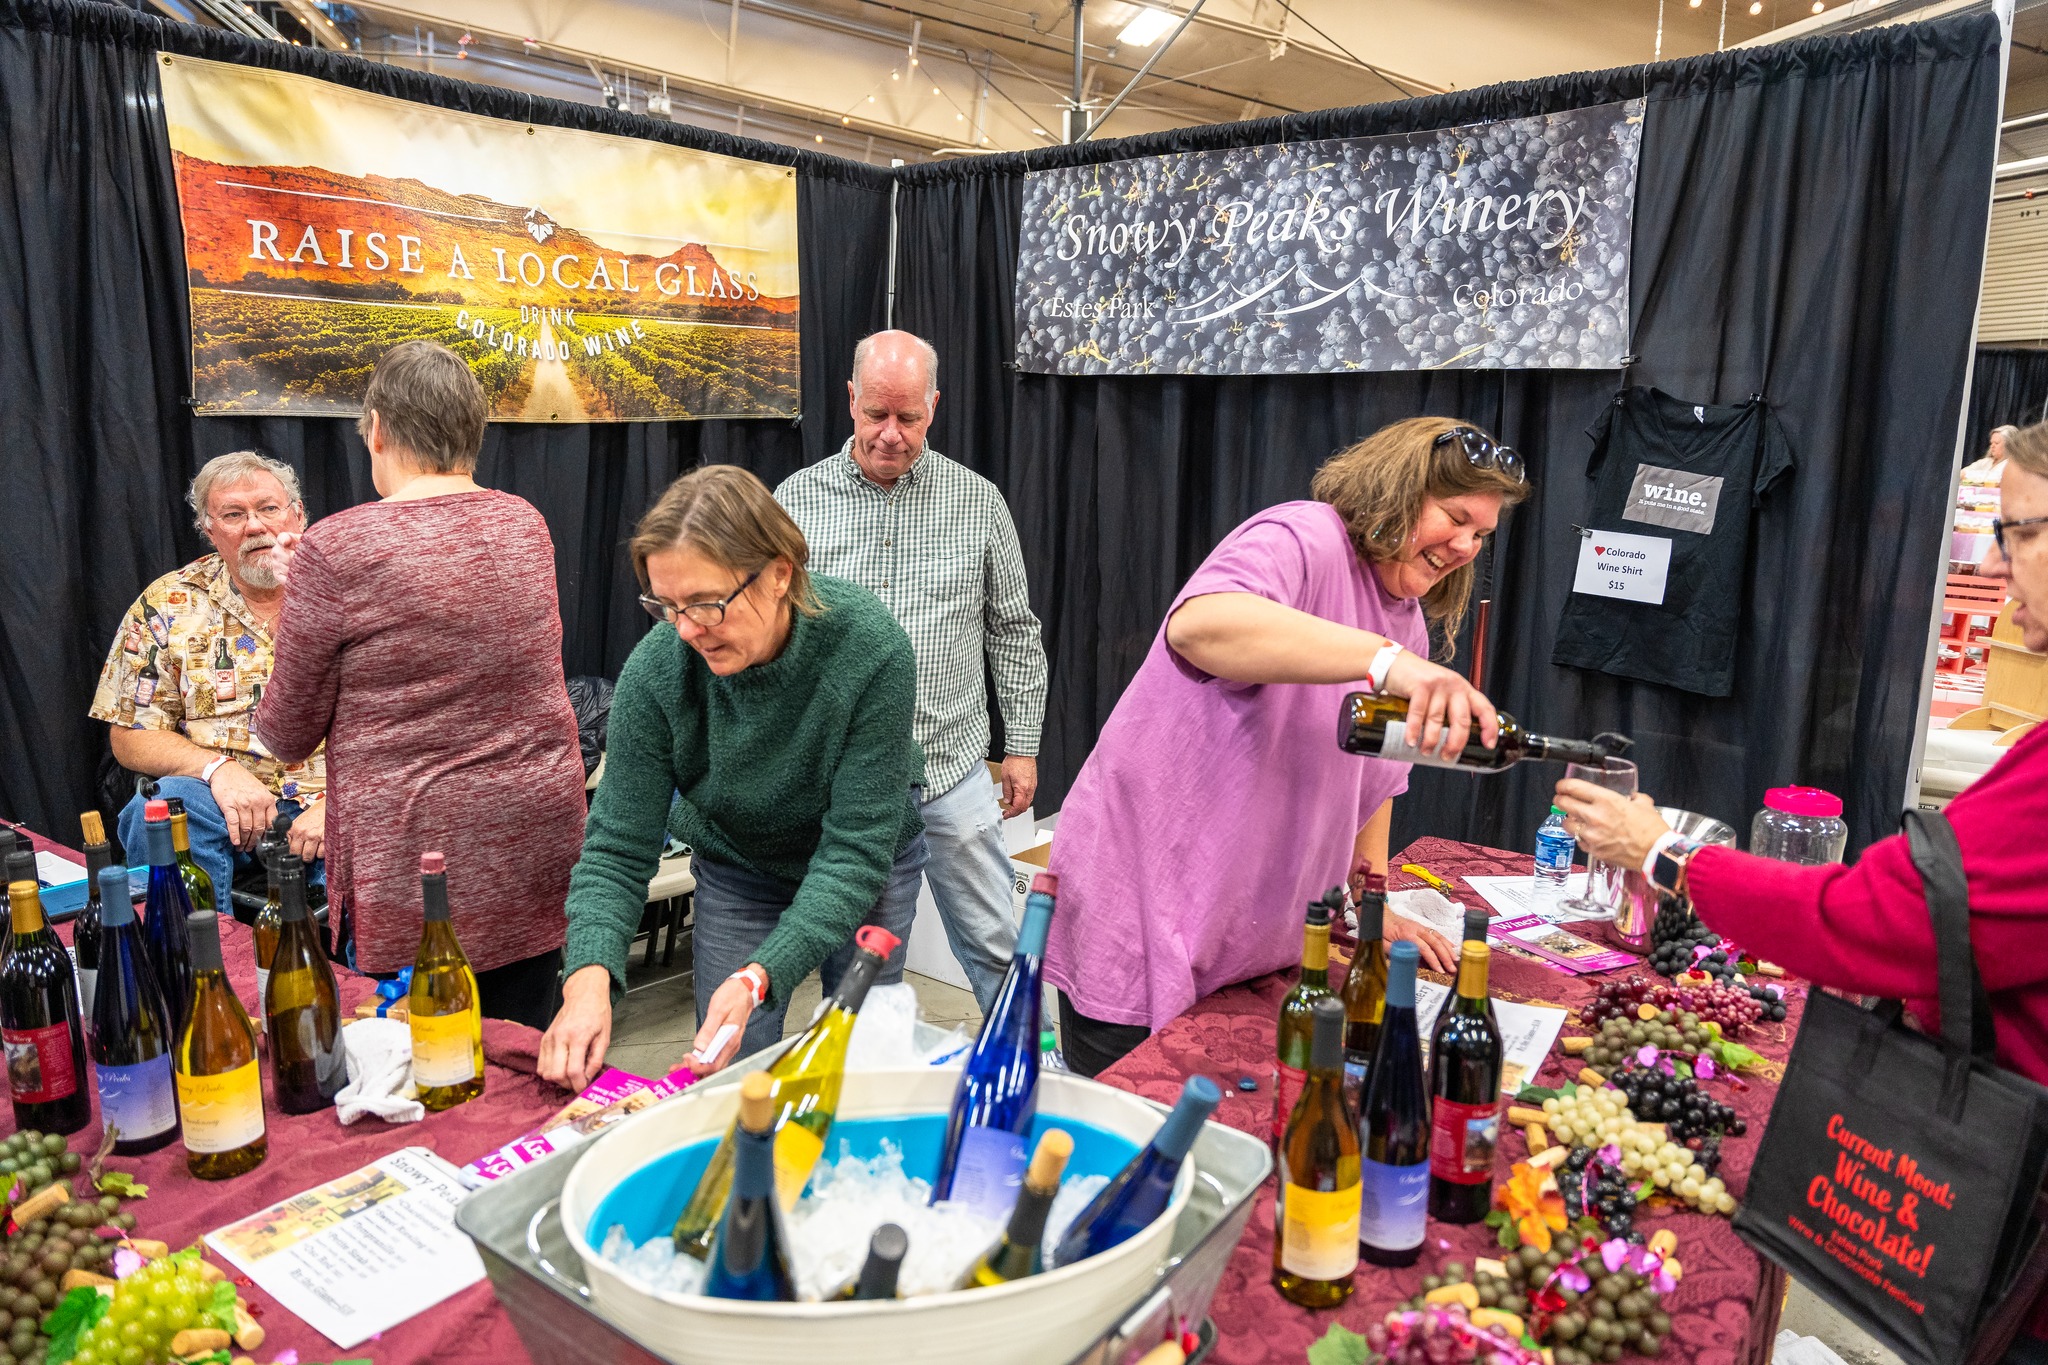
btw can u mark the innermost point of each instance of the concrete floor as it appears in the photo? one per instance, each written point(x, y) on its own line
point(653, 1027)
point(1809, 1317)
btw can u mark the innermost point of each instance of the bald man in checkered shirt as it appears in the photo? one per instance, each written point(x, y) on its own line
point(934, 541)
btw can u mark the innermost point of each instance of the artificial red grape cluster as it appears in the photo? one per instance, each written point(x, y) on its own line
point(1732, 1007)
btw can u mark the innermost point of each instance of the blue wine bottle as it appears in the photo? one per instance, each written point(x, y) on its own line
point(982, 1162)
point(1140, 1192)
point(1393, 1128)
point(164, 916)
point(130, 1041)
point(750, 1256)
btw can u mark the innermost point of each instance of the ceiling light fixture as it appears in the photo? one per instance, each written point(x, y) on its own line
point(1756, 6)
point(1819, 5)
point(1147, 27)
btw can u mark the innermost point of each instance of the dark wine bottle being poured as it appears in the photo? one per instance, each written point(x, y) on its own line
point(1377, 727)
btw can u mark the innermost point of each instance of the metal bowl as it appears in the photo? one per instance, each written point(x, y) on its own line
point(1703, 829)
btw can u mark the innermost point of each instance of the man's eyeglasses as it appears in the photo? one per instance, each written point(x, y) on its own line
point(235, 518)
point(1483, 452)
point(709, 615)
point(1999, 526)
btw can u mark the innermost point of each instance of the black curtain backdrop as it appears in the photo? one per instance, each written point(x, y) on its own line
point(2008, 387)
point(1807, 219)
point(97, 442)
point(1809, 224)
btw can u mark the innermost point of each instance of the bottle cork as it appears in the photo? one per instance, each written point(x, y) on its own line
point(757, 1101)
point(1050, 1160)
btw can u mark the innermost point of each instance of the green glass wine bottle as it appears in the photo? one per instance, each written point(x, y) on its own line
point(1297, 1019)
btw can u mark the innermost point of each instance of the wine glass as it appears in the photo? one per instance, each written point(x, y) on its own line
point(1605, 886)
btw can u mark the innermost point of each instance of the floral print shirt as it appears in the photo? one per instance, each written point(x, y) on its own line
point(193, 657)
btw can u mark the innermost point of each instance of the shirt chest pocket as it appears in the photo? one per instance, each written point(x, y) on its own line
point(949, 576)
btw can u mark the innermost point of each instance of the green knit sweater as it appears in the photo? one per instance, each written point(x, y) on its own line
point(799, 768)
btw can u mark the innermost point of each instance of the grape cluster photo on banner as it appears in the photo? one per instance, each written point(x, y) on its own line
point(1490, 246)
point(584, 277)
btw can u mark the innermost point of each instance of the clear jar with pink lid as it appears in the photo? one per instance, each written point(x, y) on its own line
point(1799, 825)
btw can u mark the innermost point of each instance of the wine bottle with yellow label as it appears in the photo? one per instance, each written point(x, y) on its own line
point(220, 1093)
point(446, 1017)
point(807, 1078)
point(1315, 1242)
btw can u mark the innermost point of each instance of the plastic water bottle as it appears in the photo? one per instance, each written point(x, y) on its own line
point(1555, 848)
point(1049, 1058)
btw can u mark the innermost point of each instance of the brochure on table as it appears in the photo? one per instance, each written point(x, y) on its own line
point(359, 1255)
point(1515, 897)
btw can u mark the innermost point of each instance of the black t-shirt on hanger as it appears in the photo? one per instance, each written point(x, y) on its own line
point(1677, 481)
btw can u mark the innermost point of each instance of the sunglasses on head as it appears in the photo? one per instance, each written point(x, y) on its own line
point(1483, 452)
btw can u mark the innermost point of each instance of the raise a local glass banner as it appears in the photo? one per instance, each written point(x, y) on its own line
point(584, 277)
point(1492, 246)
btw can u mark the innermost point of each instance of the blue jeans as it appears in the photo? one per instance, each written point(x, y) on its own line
point(969, 872)
point(736, 909)
point(207, 829)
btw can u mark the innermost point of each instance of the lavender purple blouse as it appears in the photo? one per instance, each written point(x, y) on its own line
point(1211, 812)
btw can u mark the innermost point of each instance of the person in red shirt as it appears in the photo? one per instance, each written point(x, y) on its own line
point(1865, 928)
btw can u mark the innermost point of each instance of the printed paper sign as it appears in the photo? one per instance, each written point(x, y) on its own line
point(1616, 564)
point(1674, 498)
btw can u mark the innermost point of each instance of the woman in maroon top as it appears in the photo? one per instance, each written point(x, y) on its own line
point(421, 640)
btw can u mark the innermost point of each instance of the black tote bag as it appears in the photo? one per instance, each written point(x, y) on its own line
point(1899, 1174)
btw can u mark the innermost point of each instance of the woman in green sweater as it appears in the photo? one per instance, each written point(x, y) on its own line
point(770, 731)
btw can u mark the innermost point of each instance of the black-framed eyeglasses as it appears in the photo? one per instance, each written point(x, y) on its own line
point(1999, 526)
point(1483, 452)
point(709, 615)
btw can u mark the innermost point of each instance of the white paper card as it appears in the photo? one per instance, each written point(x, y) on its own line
point(1526, 1032)
point(359, 1255)
point(1515, 897)
point(53, 870)
point(1617, 564)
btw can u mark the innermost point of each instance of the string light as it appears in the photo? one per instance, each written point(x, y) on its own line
point(1756, 6)
point(845, 118)
point(1819, 5)
point(935, 90)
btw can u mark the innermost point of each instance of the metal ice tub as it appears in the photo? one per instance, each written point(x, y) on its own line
point(539, 1280)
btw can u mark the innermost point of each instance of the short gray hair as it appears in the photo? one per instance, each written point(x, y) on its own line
point(865, 349)
point(225, 471)
point(2005, 432)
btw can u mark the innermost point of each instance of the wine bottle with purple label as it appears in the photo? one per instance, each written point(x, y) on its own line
point(982, 1162)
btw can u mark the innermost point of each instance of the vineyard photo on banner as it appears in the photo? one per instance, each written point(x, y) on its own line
point(1499, 246)
point(585, 277)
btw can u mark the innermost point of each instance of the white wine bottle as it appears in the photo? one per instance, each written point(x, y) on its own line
point(1377, 727)
point(220, 1093)
point(447, 1018)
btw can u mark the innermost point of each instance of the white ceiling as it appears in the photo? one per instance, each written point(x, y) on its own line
point(917, 79)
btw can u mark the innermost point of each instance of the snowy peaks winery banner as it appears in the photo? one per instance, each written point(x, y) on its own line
point(1493, 246)
point(584, 277)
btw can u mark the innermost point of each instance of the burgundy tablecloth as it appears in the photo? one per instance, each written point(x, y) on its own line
point(309, 1150)
point(1725, 1310)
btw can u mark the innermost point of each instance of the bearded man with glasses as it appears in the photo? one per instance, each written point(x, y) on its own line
point(190, 662)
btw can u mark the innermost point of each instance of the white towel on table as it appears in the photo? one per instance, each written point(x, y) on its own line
point(379, 1073)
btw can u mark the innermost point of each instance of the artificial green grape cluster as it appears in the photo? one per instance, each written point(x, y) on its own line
point(150, 1307)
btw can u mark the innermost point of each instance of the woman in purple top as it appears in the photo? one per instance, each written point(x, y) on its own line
point(1216, 802)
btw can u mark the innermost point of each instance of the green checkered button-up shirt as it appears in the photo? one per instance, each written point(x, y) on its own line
point(940, 550)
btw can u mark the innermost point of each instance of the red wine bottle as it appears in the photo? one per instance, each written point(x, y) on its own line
point(39, 1023)
point(1464, 1087)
